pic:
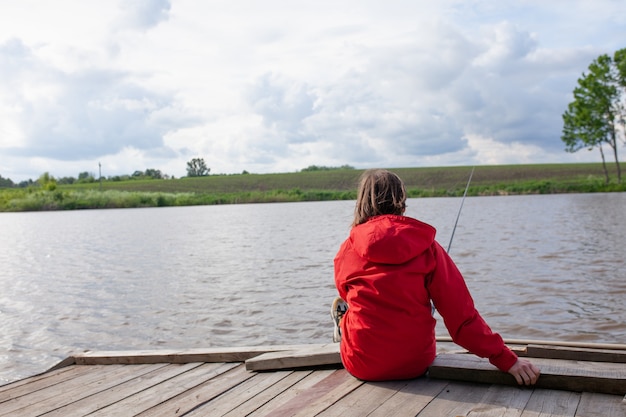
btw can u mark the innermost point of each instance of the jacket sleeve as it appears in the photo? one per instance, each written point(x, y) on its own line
point(467, 328)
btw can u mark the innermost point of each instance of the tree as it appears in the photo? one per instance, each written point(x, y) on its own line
point(154, 173)
point(312, 168)
point(619, 60)
point(85, 177)
point(6, 182)
point(596, 116)
point(197, 168)
point(47, 182)
point(66, 180)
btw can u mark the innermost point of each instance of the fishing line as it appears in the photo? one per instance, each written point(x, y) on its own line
point(432, 304)
point(460, 208)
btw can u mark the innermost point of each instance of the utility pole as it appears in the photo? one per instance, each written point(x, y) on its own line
point(100, 174)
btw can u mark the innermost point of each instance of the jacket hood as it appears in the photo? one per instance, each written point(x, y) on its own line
point(391, 239)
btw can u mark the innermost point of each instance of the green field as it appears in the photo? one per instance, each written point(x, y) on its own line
point(334, 184)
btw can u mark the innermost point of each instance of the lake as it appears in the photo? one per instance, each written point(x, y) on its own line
point(540, 267)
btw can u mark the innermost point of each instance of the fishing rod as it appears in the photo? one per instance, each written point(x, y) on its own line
point(460, 208)
point(432, 304)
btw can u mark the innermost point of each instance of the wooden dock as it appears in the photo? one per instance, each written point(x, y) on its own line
point(308, 380)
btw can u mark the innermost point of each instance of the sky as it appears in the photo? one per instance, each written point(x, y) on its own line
point(113, 87)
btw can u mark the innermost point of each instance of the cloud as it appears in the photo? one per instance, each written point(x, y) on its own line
point(405, 100)
point(276, 85)
point(283, 105)
point(143, 14)
point(85, 114)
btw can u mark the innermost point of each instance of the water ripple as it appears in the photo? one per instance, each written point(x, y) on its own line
point(539, 267)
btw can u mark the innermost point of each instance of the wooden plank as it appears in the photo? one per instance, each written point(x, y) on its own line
point(219, 354)
point(455, 400)
point(600, 405)
point(239, 394)
point(562, 343)
point(271, 393)
point(411, 399)
point(290, 392)
point(576, 354)
point(311, 356)
point(331, 397)
point(68, 393)
point(501, 401)
point(225, 376)
point(320, 396)
point(365, 399)
point(36, 400)
point(478, 400)
point(555, 374)
point(548, 403)
point(69, 361)
point(169, 389)
point(35, 383)
point(125, 389)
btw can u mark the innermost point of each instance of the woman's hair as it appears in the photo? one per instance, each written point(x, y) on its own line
point(380, 192)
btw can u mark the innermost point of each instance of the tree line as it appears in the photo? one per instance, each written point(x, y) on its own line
point(195, 168)
point(85, 177)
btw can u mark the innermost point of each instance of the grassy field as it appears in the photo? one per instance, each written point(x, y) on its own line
point(310, 186)
point(443, 178)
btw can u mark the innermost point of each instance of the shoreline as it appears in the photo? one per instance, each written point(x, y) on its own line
point(332, 184)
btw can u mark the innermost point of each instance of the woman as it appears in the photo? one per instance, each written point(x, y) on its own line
point(388, 272)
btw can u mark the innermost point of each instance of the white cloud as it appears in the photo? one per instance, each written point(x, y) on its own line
point(143, 14)
point(278, 85)
point(489, 152)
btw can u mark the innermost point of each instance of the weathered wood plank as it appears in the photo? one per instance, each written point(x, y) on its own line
point(364, 399)
point(291, 392)
point(67, 393)
point(166, 390)
point(552, 403)
point(139, 382)
point(312, 356)
point(331, 397)
point(411, 399)
point(320, 396)
point(239, 394)
point(69, 361)
point(218, 354)
point(562, 343)
point(478, 400)
point(555, 374)
point(35, 383)
point(36, 401)
point(225, 377)
point(199, 389)
point(600, 405)
point(576, 354)
point(455, 400)
point(271, 393)
point(501, 401)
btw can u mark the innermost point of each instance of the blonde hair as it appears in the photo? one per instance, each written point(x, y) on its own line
point(380, 192)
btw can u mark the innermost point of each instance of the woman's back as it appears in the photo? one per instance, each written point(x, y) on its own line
point(388, 271)
point(381, 272)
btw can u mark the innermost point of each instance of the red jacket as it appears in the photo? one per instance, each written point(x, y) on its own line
point(388, 271)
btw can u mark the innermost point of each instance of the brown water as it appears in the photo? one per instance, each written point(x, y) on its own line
point(540, 267)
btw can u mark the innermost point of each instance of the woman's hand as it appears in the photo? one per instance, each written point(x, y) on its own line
point(525, 372)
